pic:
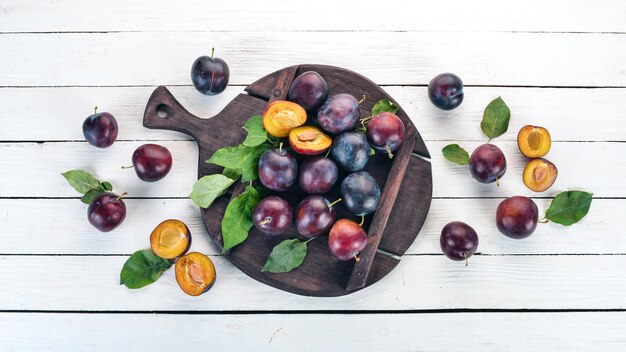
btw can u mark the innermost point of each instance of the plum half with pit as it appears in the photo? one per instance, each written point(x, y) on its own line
point(272, 215)
point(106, 211)
point(385, 132)
point(318, 175)
point(516, 217)
point(339, 113)
point(309, 90)
point(487, 163)
point(100, 129)
point(314, 216)
point(534, 141)
point(170, 239)
point(351, 151)
point(152, 162)
point(309, 140)
point(281, 116)
point(277, 169)
point(195, 273)
point(360, 193)
point(458, 241)
point(346, 239)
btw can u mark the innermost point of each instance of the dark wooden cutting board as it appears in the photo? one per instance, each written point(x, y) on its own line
point(405, 180)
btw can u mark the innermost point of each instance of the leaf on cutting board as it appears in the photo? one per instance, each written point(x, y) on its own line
point(237, 219)
point(286, 256)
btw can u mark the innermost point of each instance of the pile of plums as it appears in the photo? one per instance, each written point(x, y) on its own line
point(516, 217)
point(311, 163)
point(151, 162)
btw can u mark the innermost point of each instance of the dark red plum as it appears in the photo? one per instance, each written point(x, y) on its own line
point(446, 91)
point(339, 113)
point(100, 129)
point(152, 162)
point(346, 239)
point(351, 151)
point(487, 163)
point(106, 211)
point(309, 90)
point(318, 175)
point(210, 75)
point(517, 217)
point(385, 132)
point(458, 240)
point(277, 169)
point(360, 193)
point(272, 215)
point(314, 216)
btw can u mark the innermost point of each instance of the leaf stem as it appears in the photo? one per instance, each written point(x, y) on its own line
point(543, 220)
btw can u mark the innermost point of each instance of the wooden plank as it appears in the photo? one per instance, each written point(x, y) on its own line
point(61, 227)
point(57, 113)
point(248, 15)
point(33, 169)
point(102, 59)
point(418, 282)
point(354, 332)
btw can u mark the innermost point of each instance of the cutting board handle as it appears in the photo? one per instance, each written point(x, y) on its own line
point(163, 111)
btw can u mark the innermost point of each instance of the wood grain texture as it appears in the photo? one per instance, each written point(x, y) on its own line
point(418, 282)
point(327, 15)
point(322, 274)
point(397, 58)
point(56, 114)
point(371, 332)
point(45, 162)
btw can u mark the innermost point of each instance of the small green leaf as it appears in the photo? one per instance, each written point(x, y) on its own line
point(82, 181)
point(231, 173)
point(456, 154)
point(208, 188)
point(88, 197)
point(286, 256)
point(569, 207)
point(231, 157)
point(237, 219)
point(107, 186)
point(495, 118)
point(250, 167)
point(361, 130)
point(372, 151)
point(142, 269)
point(256, 132)
point(384, 105)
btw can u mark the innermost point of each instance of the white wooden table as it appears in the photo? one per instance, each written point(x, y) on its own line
point(559, 64)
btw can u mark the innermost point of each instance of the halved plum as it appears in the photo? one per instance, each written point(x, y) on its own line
point(539, 174)
point(282, 116)
point(170, 239)
point(309, 140)
point(195, 273)
point(534, 141)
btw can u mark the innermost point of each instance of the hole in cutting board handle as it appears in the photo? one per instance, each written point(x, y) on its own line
point(163, 111)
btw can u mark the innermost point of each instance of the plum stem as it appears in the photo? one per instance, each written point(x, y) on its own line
point(356, 258)
point(497, 182)
point(465, 256)
point(335, 202)
point(212, 53)
point(543, 220)
point(95, 109)
point(128, 167)
point(362, 99)
point(362, 220)
point(120, 196)
point(310, 239)
point(327, 152)
point(266, 221)
point(389, 153)
point(280, 147)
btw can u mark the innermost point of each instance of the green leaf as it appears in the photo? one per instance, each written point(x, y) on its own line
point(495, 118)
point(142, 269)
point(372, 151)
point(88, 197)
point(384, 105)
point(231, 173)
point(569, 207)
point(456, 154)
point(256, 132)
point(237, 219)
point(250, 167)
point(208, 188)
point(107, 186)
point(230, 157)
point(82, 181)
point(286, 256)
